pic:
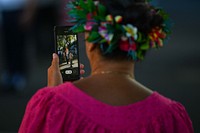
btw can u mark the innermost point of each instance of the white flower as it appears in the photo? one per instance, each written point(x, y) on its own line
point(131, 31)
point(96, 3)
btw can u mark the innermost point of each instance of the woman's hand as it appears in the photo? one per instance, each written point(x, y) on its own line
point(54, 75)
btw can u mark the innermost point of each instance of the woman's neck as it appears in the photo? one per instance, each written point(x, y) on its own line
point(112, 67)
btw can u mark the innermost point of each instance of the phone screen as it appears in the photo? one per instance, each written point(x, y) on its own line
point(66, 45)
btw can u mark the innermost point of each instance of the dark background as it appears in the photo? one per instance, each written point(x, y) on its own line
point(173, 71)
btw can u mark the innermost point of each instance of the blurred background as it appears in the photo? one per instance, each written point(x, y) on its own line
point(26, 46)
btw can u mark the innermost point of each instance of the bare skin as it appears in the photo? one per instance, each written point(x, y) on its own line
point(54, 75)
point(112, 88)
point(116, 88)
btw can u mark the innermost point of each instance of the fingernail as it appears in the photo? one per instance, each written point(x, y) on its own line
point(81, 66)
point(54, 55)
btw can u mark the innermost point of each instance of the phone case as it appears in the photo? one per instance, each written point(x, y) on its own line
point(66, 46)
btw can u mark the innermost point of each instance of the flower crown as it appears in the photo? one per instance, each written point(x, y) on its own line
point(110, 33)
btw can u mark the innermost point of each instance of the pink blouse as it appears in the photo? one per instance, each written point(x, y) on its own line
point(67, 109)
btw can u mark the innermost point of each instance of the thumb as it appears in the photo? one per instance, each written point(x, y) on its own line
point(55, 62)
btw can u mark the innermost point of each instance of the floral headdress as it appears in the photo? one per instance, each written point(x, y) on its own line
point(108, 30)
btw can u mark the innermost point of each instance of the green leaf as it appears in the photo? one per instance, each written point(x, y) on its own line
point(99, 18)
point(78, 29)
point(110, 48)
point(139, 37)
point(93, 36)
point(81, 3)
point(118, 27)
point(90, 5)
point(145, 46)
point(101, 10)
point(77, 14)
point(163, 14)
point(140, 55)
point(103, 41)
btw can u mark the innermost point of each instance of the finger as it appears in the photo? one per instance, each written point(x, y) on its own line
point(81, 66)
point(82, 72)
point(55, 61)
point(49, 70)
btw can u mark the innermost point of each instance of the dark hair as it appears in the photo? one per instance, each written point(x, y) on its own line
point(136, 12)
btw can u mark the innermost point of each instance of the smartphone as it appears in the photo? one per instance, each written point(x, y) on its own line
point(66, 47)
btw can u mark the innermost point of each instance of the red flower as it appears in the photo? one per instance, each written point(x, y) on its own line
point(156, 36)
point(124, 45)
point(89, 16)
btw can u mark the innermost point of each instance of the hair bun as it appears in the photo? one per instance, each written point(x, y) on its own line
point(138, 12)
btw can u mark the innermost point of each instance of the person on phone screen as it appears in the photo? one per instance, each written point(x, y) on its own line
point(71, 58)
point(110, 100)
point(67, 53)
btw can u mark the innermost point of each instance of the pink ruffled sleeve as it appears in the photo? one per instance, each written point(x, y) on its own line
point(43, 113)
point(183, 123)
point(176, 120)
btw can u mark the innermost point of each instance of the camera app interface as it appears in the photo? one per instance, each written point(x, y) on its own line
point(67, 51)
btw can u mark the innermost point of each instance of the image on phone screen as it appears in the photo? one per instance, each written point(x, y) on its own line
point(67, 50)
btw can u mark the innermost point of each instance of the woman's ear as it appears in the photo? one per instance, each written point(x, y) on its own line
point(89, 46)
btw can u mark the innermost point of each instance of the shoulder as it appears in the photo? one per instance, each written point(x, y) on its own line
point(170, 115)
point(46, 107)
point(54, 90)
point(165, 105)
point(50, 95)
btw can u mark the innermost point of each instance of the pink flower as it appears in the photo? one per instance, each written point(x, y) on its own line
point(89, 24)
